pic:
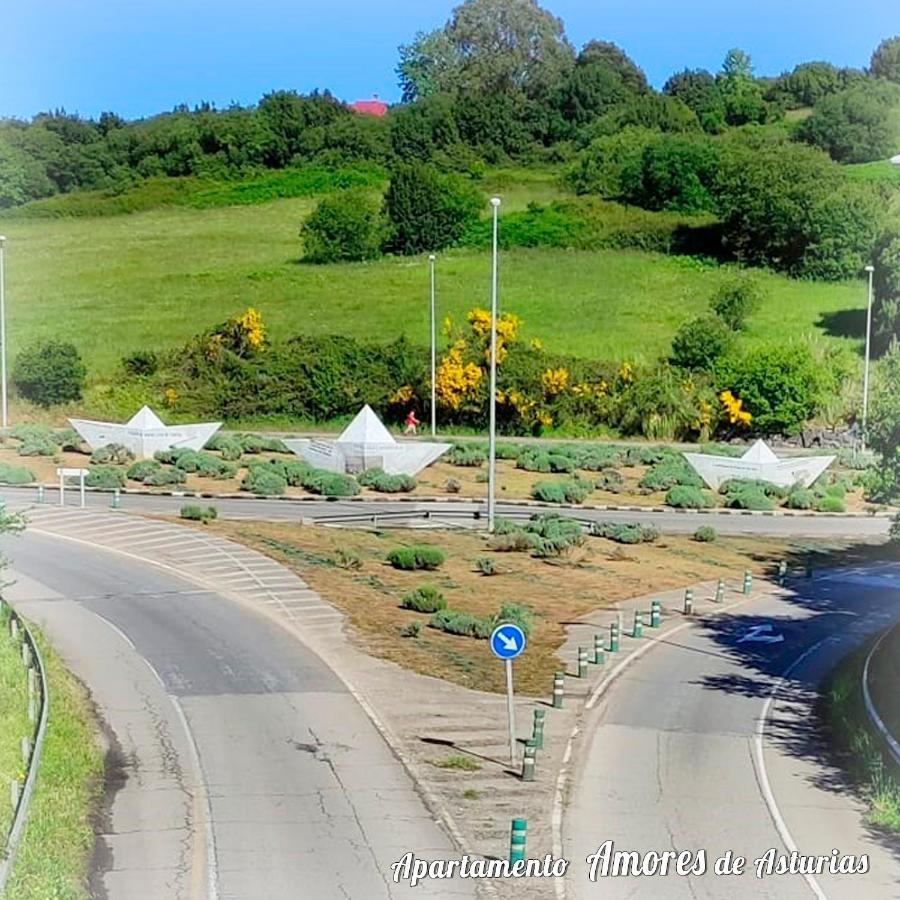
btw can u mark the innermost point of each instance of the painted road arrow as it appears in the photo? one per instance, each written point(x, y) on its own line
point(760, 635)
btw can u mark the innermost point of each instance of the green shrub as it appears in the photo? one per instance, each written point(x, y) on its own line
point(452, 486)
point(165, 477)
point(104, 477)
point(230, 447)
point(344, 227)
point(330, 484)
point(595, 457)
point(417, 556)
point(424, 599)
point(518, 541)
point(559, 463)
point(514, 614)
point(202, 514)
point(464, 624)
point(532, 459)
point(749, 498)
point(15, 474)
point(648, 456)
point(112, 455)
point(380, 481)
point(347, 559)
point(800, 498)
point(49, 373)
point(31, 432)
point(610, 480)
point(38, 447)
point(569, 490)
point(668, 473)
point(740, 485)
point(705, 534)
point(682, 497)
point(141, 363)
point(554, 534)
point(68, 440)
point(264, 482)
point(506, 451)
point(701, 343)
point(894, 531)
point(427, 209)
point(831, 504)
point(626, 532)
point(411, 629)
point(736, 299)
point(486, 566)
point(143, 469)
point(468, 456)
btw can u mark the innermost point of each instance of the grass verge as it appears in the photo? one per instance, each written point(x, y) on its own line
point(859, 747)
point(52, 860)
point(14, 722)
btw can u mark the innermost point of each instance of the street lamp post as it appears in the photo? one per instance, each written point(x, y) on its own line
point(492, 437)
point(431, 260)
point(865, 410)
point(3, 403)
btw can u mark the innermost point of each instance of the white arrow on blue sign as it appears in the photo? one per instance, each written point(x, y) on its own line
point(507, 641)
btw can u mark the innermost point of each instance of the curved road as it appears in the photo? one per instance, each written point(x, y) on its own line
point(241, 767)
point(460, 512)
point(710, 742)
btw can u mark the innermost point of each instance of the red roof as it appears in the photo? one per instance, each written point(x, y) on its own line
point(374, 107)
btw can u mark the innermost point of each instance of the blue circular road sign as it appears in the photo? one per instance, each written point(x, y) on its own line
point(507, 641)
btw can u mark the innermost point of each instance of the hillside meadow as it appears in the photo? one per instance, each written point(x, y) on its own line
point(152, 279)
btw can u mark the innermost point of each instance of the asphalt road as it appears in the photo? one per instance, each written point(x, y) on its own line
point(241, 767)
point(443, 513)
point(711, 742)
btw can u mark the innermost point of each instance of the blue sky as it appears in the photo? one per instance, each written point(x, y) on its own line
point(136, 57)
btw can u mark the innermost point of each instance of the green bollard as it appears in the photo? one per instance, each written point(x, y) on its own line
point(517, 840)
point(582, 662)
point(782, 573)
point(559, 680)
point(720, 591)
point(614, 637)
point(689, 602)
point(638, 630)
point(748, 582)
point(116, 501)
point(599, 654)
point(529, 757)
point(537, 730)
point(655, 613)
point(40, 496)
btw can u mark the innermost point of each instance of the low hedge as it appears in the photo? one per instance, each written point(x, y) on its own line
point(832, 504)
point(461, 623)
point(44, 446)
point(105, 477)
point(330, 484)
point(417, 556)
point(202, 514)
point(705, 534)
point(569, 490)
point(666, 474)
point(264, 482)
point(112, 455)
point(467, 456)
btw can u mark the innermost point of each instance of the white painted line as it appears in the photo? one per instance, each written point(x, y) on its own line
point(892, 742)
point(759, 764)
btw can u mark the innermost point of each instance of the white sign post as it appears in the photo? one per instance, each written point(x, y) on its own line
point(507, 642)
point(71, 473)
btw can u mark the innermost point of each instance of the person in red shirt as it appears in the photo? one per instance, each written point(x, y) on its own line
point(411, 422)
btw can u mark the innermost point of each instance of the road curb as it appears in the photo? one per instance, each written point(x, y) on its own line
point(892, 743)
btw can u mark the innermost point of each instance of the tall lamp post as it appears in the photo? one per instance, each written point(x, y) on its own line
point(3, 404)
point(492, 437)
point(865, 410)
point(431, 260)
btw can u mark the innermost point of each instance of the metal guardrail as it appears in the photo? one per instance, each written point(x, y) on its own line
point(39, 706)
point(892, 743)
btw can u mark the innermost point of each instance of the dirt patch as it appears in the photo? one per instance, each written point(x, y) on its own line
point(348, 568)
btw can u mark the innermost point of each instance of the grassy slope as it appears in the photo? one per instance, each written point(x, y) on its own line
point(13, 721)
point(152, 279)
point(58, 838)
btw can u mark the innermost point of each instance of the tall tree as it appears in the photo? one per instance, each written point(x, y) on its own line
point(886, 59)
point(741, 92)
point(697, 89)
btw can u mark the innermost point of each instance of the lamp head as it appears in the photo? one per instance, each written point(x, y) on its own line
point(495, 202)
point(2, 240)
point(431, 257)
point(870, 269)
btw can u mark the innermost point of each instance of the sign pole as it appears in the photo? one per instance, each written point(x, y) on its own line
point(62, 490)
point(511, 713)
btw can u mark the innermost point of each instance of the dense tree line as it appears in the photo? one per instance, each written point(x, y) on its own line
point(500, 80)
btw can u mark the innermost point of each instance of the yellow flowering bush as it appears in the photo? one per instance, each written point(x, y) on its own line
point(734, 409)
point(170, 397)
point(456, 380)
point(554, 381)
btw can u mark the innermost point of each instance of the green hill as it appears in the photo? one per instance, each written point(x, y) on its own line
point(152, 279)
